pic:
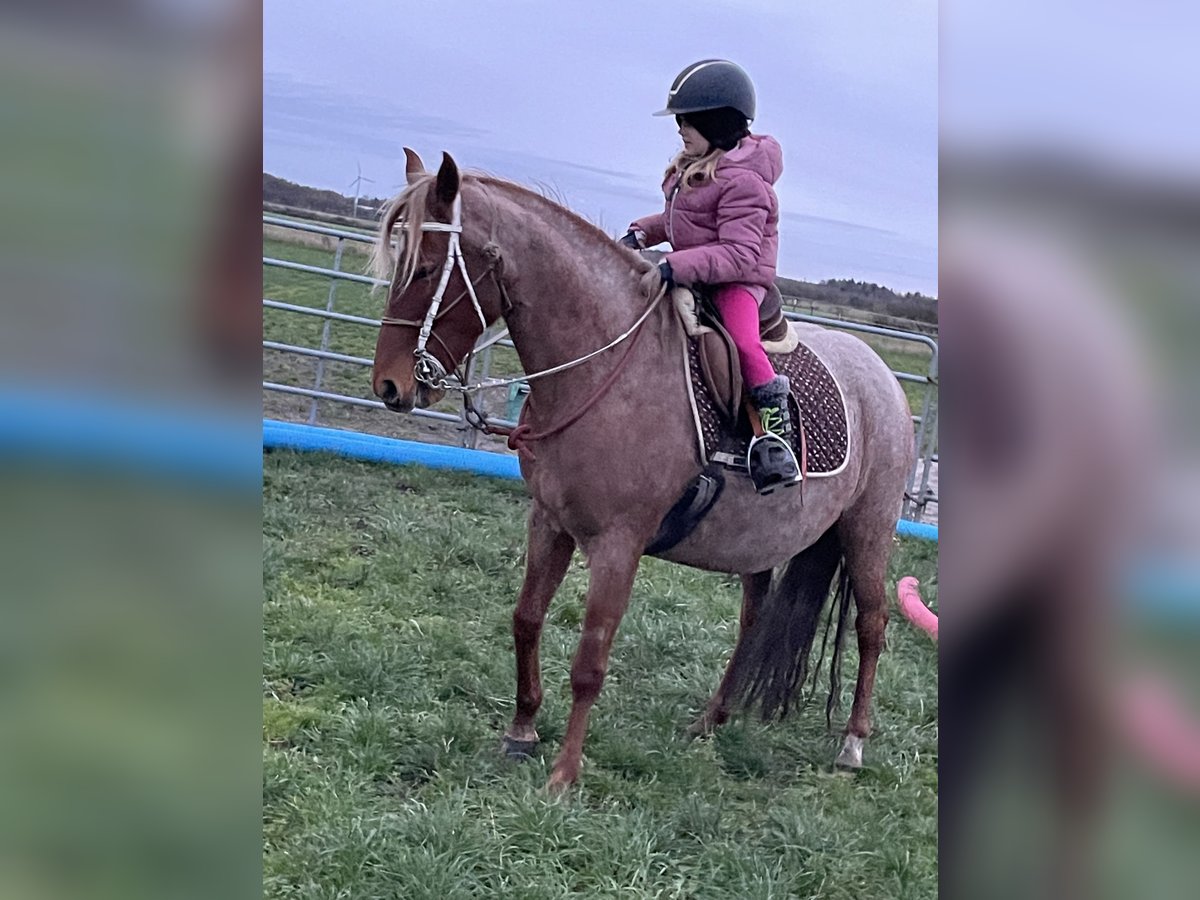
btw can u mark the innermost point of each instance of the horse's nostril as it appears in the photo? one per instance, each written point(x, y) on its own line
point(387, 391)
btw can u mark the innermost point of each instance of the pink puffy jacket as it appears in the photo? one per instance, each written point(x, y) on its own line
point(726, 230)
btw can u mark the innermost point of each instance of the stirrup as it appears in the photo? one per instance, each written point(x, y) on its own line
point(771, 463)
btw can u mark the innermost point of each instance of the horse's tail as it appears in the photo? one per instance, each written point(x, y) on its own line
point(775, 659)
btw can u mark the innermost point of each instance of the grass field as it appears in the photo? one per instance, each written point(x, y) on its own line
point(313, 290)
point(388, 680)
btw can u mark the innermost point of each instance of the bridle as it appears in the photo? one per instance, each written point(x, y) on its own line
point(428, 369)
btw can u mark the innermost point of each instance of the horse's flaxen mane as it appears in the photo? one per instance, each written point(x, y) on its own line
point(408, 205)
point(408, 209)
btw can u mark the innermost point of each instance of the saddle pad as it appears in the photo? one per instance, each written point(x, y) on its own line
point(822, 413)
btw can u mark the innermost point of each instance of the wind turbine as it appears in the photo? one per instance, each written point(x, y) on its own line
point(357, 185)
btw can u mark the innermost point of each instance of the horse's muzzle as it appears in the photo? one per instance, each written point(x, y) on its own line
point(421, 397)
point(387, 391)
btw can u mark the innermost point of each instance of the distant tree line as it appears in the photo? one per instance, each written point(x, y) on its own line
point(862, 296)
point(287, 193)
point(874, 302)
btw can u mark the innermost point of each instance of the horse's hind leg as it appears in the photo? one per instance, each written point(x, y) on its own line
point(754, 588)
point(547, 559)
point(867, 543)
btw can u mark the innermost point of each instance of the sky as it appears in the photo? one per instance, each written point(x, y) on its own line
point(559, 95)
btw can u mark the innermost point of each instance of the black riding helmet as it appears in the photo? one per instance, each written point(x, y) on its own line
point(710, 84)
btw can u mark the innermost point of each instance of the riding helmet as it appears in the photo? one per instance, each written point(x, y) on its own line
point(710, 84)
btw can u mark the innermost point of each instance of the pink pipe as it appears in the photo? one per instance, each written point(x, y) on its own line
point(912, 607)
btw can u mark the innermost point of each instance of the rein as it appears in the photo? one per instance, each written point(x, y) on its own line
point(429, 370)
point(519, 438)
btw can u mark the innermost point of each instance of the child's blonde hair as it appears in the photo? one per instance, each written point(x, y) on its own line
point(694, 170)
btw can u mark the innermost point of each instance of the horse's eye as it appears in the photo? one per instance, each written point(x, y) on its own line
point(422, 272)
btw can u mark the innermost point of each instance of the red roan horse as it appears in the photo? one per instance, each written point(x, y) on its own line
point(604, 482)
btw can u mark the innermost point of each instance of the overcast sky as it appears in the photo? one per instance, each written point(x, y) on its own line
point(560, 94)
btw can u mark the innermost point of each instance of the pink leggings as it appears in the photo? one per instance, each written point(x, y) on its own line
point(739, 311)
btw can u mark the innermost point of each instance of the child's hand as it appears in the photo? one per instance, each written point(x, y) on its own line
point(668, 277)
point(656, 278)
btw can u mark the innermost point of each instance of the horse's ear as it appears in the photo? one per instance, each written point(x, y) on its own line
point(413, 167)
point(447, 180)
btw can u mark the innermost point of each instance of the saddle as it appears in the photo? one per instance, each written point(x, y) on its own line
point(820, 437)
point(818, 408)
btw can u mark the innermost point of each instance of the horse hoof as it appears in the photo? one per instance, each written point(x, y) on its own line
point(518, 750)
point(851, 754)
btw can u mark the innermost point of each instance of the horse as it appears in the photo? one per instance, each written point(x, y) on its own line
point(611, 446)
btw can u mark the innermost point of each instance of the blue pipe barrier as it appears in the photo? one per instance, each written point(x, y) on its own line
point(922, 530)
point(287, 435)
point(373, 448)
point(88, 429)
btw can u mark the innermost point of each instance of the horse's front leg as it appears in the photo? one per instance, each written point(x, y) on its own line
point(547, 558)
point(613, 562)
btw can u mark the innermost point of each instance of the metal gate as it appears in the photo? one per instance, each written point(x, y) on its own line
point(920, 493)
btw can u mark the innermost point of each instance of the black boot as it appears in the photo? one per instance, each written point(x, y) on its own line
point(770, 458)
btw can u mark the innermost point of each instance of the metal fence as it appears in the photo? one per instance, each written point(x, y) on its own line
point(920, 490)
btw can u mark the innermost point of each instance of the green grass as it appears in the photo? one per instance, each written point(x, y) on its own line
point(388, 680)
